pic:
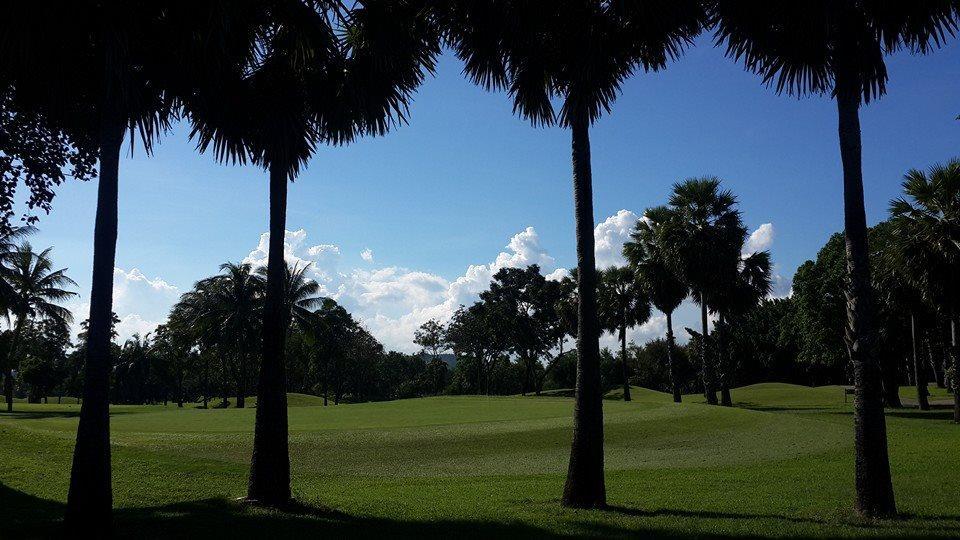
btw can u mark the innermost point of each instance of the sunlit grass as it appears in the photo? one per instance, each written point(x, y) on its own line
point(779, 464)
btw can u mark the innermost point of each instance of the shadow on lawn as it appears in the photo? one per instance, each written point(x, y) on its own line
point(26, 516)
point(39, 415)
point(919, 527)
point(785, 408)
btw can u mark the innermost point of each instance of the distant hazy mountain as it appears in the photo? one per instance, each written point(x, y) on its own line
point(449, 358)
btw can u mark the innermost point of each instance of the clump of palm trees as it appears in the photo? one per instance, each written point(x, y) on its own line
point(31, 291)
point(695, 246)
point(926, 250)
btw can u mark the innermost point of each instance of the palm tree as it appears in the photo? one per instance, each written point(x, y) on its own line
point(35, 293)
point(623, 304)
point(747, 286)
point(317, 72)
point(299, 298)
point(709, 224)
point(8, 249)
point(579, 52)
point(900, 274)
point(127, 63)
point(926, 225)
point(650, 251)
point(838, 48)
point(327, 331)
point(234, 305)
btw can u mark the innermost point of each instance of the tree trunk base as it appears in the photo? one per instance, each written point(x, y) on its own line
point(725, 399)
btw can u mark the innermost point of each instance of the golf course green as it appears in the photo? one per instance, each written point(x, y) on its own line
point(778, 464)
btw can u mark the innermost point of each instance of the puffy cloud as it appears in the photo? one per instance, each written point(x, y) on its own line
point(558, 274)
point(761, 239)
point(392, 301)
point(140, 302)
point(322, 258)
point(525, 250)
point(609, 237)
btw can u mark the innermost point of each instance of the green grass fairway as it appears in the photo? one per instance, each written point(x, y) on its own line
point(779, 464)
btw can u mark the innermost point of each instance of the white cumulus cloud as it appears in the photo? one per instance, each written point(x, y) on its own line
point(367, 255)
point(761, 239)
point(609, 237)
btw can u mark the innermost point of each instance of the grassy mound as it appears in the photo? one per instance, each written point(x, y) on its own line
point(778, 464)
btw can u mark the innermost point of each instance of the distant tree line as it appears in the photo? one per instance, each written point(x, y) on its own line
point(515, 338)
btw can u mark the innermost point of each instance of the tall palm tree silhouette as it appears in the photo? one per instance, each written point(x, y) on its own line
point(652, 252)
point(318, 72)
point(838, 48)
point(579, 52)
point(623, 304)
point(231, 310)
point(35, 293)
point(709, 224)
point(127, 63)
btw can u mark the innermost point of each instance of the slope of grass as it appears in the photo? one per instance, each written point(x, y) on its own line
point(779, 464)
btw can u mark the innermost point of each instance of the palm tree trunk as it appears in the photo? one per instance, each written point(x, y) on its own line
point(11, 356)
point(873, 484)
point(206, 381)
point(937, 373)
point(918, 378)
point(90, 499)
point(955, 355)
point(623, 363)
point(241, 378)
point(270, 465)
point(890, 376)
point(709, 390)
point(585, 487)
point(671, 360)
point(725, 375)
point(326, 380)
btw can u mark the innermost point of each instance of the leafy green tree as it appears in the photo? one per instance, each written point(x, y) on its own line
point(577, 54)
point(838, 48)
point(35, 291)
point(38, 153)
point(518, 295)
point(172, 347)
point(652, 252)
point(43, 366)
point(432, 337)
point(818, 287)
point(623, 304)
point(480, 332)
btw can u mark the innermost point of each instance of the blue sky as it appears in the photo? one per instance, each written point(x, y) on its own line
point(438, 199)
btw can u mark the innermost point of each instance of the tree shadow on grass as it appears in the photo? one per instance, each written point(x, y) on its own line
point(26, 516)
point(903, 526)
point(38, 415)
point(936, 412)
point(785, 408)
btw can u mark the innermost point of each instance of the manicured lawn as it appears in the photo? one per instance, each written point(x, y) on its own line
point(779, 464)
